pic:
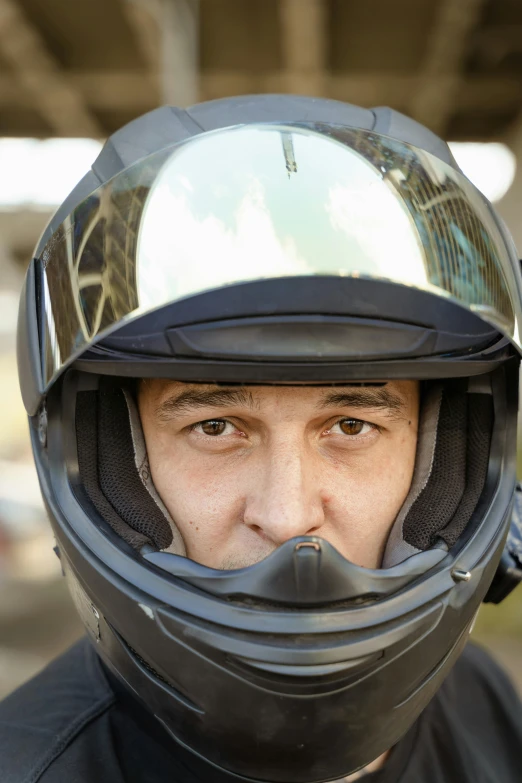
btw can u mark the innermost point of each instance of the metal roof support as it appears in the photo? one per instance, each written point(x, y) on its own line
point(304, 44)
point(38, 73)
point(441, 74)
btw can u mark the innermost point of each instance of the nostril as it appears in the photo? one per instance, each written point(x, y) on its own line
point(258, 530)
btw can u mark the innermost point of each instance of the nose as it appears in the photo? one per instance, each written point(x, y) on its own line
point(286, 498)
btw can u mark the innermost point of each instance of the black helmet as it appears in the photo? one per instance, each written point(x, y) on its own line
point(276, 240)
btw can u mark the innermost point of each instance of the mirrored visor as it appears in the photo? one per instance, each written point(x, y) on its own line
point(270, 201)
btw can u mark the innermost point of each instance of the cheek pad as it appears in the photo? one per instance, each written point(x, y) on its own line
point(397, 548)
point(114, 469)
point(451, 466)
point(141, 461)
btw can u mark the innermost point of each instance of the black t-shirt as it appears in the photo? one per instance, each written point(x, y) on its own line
point(74, 724)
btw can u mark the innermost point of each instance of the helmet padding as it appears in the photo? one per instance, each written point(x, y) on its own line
point(451, 466)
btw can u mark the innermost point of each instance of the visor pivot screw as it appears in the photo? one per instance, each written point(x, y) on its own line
point(459, 575)
point(42, 427)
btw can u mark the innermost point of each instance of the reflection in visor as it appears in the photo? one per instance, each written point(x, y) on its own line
point(270, 201)
point(237, 220)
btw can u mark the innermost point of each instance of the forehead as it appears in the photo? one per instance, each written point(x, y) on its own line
point(394, 395)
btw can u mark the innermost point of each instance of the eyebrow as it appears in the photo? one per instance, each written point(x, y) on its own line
point(379, 398)
point(192, 399)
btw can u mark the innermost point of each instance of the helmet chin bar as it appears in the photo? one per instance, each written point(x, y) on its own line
point(304, 571)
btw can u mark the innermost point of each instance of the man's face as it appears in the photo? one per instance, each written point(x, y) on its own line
point(243, 469)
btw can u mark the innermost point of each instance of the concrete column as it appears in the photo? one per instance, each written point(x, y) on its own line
point(180, 55)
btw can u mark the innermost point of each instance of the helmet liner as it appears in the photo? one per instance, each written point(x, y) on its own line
point(109, 472)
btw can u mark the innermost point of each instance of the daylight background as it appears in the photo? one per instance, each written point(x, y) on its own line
point(71, 73)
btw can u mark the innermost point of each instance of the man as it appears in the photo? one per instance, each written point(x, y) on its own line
point(269, 348)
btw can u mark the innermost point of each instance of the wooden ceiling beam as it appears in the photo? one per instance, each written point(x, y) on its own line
point(130, 90)
point(38, 74)
point(106, 90)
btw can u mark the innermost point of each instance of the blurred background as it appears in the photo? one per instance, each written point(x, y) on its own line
point(72, 73)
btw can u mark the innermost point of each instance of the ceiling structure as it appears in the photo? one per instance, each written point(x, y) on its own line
point(84, 69)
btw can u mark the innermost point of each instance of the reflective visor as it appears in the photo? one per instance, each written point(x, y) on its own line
point(270, 201)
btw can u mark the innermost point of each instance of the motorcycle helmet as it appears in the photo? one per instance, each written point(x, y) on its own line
point(276, 240)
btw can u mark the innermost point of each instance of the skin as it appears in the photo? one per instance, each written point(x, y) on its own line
point(243, 469)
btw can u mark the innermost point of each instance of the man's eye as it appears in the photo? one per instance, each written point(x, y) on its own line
point(214, 427)
point(352, 427)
